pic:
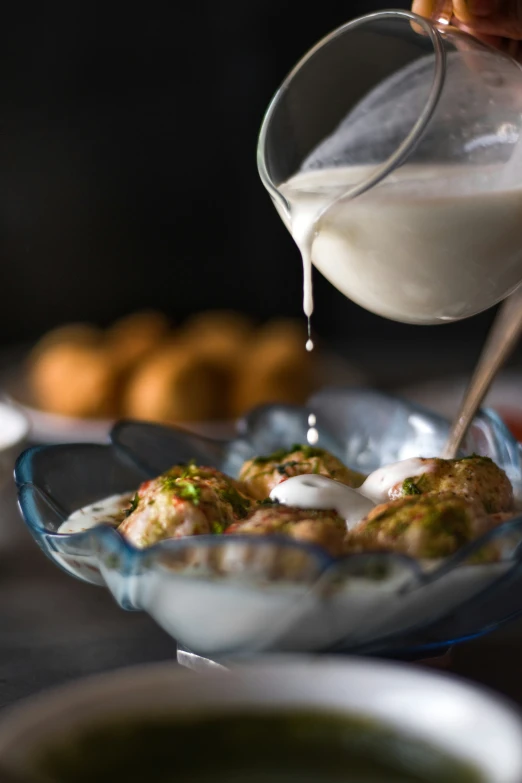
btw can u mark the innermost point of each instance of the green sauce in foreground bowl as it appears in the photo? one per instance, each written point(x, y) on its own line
point(282, 747)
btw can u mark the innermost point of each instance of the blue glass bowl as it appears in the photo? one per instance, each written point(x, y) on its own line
point(222, 596)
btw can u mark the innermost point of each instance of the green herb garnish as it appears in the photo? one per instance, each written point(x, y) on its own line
point(474, 456)
point(409, 487)
point(276, 456)
point(188, 491)
point(281, 469)
point(168, 482)
point(309, 451)
point(280, 454)
point(190, 469)
point(170, 478)
point(240, 505)
point(133, 505)
point(182, 488)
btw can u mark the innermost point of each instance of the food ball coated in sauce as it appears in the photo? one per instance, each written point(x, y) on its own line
point(473, 477)
point(321, 528)
point(424, 526)
point(261, 474)
point(187, 500)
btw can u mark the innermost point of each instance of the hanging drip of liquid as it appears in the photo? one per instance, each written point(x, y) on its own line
point(303, 230)
point(312, 436)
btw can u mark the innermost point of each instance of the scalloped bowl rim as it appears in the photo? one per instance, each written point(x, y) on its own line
point(323, 558)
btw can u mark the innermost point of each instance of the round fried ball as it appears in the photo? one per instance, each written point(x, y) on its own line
point(260, 475)
point(73, 379)
point(321, 528)
point(229, 324)
point(68, 334)
point(174, 385)
point(221, 338)
point(136, 336)
point(424, 526)
point(474, 477)
point(187, 500)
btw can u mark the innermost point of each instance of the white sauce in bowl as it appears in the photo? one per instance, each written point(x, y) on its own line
point(319, 492)
point(381, 482)
point(108, 511)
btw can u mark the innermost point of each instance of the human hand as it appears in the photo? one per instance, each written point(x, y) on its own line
point(496, 22)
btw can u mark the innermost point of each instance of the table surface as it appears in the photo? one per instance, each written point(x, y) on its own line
point(54, 629)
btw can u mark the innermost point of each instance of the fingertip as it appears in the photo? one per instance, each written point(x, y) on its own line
point(462, 11)
point(424, 8)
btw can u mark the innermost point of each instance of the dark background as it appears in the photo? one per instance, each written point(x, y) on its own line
point(128, 179)
point(128, 172)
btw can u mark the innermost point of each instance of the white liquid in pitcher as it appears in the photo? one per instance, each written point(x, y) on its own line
point(427, 245)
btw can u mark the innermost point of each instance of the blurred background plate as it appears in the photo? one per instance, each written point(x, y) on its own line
point(47, 427)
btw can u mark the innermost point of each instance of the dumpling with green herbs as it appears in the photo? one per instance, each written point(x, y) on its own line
point(260, 475)
point(473, 477)
point(187, 500)
point(423, 526)
point(321, 528)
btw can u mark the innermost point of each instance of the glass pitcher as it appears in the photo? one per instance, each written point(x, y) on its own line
point(393, 154)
